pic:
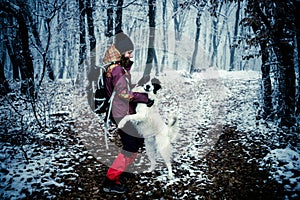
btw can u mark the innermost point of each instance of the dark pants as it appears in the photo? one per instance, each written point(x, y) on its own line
point(130, 138)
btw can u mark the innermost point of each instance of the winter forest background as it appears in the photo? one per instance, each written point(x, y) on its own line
point(49, 58)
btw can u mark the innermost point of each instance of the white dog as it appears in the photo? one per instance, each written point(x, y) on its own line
point(150, 125)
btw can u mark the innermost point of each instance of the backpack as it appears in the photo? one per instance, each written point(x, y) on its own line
point(102, 102)
point(101, 99)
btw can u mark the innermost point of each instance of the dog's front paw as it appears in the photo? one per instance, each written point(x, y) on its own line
point(121, 124)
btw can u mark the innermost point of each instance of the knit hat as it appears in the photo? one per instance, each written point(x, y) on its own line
point(123, 43)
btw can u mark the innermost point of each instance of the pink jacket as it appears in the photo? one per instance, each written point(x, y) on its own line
point(118, 79)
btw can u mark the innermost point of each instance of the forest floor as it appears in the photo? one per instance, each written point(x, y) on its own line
point(221, 152)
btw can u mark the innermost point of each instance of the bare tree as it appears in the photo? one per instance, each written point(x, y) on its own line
point(236, 28)
point(165, 38)
point(276, 36)
point(215, 38)
point(180, 14)
point(119, 13)
point(18, 12)
point(197, 36)
point(4, 86)
point(48, 15)
point(109, 19)
point(151, 50)
point(93, 70)
point(83, 48)
point(297, 20)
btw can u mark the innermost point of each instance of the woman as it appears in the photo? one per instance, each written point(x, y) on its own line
point(118, 84)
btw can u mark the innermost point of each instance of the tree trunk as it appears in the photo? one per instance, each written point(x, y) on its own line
point(287, 98)
point(165, 38)
point(176, 33)
point(196, 43)
point(91, 33)
point(151, 50)
point(14, 56)
point(279, 34)
point(297, 20)
point(43, 51)
point(82, 50)
point(26, 66)
point(233, 45)
point(215, 39)
point(110, 19)
point(4, 86)
point(284, 49)
point(267, 108)
point(93, 70)
point(118, 28)
point(82, 41)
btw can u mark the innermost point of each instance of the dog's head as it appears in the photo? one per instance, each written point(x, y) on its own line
point(152, 86)
point(149, 86)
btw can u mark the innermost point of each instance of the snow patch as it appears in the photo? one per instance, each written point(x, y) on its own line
point(284, 167)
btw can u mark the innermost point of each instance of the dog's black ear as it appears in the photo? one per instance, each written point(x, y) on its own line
point(156, 87)
point(156, 84)
point(155, 81)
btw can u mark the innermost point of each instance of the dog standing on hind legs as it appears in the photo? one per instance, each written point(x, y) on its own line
point(150, 125)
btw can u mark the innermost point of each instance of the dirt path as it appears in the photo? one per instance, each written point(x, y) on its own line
point(228, 171)
point(211, 160)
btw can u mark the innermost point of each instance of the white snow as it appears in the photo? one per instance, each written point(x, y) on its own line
point(283, 165)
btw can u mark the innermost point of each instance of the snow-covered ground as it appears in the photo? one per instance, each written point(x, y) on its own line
point(204, 103)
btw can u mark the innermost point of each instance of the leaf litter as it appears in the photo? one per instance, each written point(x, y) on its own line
point(223, 151)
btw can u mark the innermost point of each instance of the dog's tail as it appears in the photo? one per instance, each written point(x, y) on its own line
point(173, 128)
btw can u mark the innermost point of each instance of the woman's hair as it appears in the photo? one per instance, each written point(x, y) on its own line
point(124, 61)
